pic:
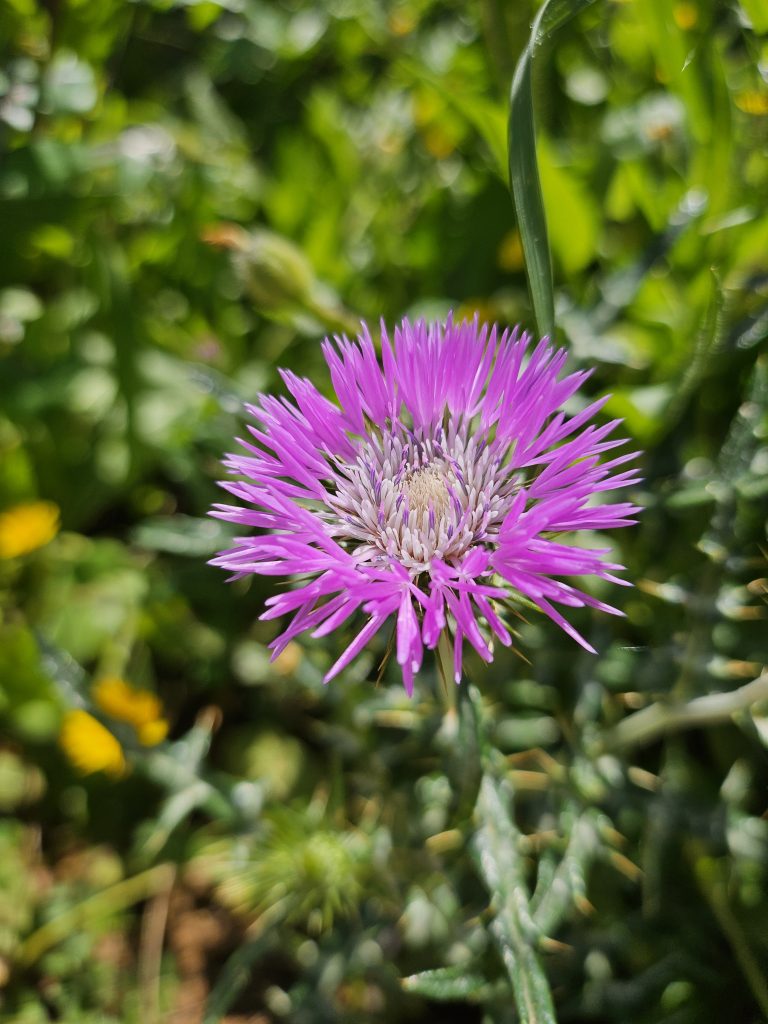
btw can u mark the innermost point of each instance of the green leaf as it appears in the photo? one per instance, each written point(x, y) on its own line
point(114, 285)
point(643, 408)
point(68, 677)
point(445, 984)
point(523, 166)
point(27, 699)
point(20, 304)
point(486, 116)
point(182, 535)
point(574, 231)
point(707, 344)
point(568, 885)
point(757, 13)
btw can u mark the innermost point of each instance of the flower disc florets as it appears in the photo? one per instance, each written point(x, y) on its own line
point(414, 498)
point(433, 491)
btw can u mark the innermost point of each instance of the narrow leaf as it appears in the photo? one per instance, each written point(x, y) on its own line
point(233, 978)
point(568, 885)
point(523, 167)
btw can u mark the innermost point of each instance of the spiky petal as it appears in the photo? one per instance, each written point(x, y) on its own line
point(432, 492)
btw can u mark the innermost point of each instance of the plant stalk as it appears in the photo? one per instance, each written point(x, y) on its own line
point(650, 724)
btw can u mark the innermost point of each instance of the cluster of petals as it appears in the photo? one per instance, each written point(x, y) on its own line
point(443, 483)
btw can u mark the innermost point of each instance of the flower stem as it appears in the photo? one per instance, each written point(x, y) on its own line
point(712, 877)
point(444, 655)
point(496, 845)
point(445, 659)
point(495, 848)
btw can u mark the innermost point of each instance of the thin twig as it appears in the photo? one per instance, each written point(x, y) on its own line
point(153, 925)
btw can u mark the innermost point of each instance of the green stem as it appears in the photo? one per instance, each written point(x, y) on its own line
point(500, 866)
point(102, 904)
point(710, 875)
point(445, 662)
point(658, 719)
point(496, 850)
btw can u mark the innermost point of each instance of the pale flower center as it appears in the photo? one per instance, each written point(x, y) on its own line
point(426, 489)
point(414, 498)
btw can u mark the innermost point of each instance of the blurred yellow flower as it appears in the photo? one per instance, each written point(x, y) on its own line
point(685, 14)
point(752, 102)
point(139, 708)
point(438, 142)
point(510, 252)
point(24, 528)
point(482, 308)
point(403, 20)
point(153, 732)
point(90, 746)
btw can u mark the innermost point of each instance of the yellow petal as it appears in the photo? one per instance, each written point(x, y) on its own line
point(510, 252)
point(752, 102)
point(26, 527)
point(153, 733)
point(90, 746)
point(120, 700)
point(685, 14)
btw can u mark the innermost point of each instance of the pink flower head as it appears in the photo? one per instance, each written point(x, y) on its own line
point(438, 487)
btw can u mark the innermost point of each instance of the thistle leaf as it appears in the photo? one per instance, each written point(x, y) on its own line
point(446, 984)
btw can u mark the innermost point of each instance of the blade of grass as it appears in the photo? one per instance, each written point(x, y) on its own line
point(712, 875)
point(523, 167)
point(101, 905)
point(233, 978)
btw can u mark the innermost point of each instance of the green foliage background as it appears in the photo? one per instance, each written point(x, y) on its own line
point(193, 193)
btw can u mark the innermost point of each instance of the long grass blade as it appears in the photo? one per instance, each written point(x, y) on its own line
point(523, 166)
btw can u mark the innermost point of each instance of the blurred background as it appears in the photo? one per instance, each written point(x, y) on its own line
point(193, 193)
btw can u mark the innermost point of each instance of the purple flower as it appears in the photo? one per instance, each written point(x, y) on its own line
point(438, 488)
